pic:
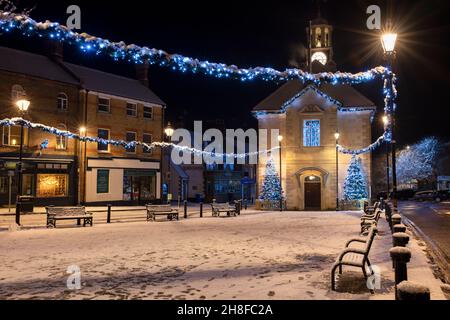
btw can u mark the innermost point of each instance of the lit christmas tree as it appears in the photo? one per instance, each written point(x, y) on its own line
point(355, 186)
point(271, 187)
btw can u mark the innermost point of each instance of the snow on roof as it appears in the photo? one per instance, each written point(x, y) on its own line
point(345, 94)
point(35, 65)
point(40, 66)
point(112, 84)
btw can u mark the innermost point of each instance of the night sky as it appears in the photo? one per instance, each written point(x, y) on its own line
point(263, 33)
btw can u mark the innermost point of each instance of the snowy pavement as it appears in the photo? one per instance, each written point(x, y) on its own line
point(269, 255)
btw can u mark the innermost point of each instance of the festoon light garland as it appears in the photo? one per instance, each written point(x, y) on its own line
point(137, 54)
point(122, 143)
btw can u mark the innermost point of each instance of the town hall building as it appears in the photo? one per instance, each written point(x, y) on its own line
point(308, 117)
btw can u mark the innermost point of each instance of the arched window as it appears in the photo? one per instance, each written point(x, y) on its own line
point(17, 93)
point(62, 103)
point(61, 142)
point(318, 37)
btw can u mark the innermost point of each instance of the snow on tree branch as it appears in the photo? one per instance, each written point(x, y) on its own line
point(418, 161)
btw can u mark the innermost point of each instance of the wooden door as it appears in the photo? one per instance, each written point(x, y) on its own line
point(312, 196)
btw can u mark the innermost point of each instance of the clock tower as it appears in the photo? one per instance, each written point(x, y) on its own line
point(320, 46)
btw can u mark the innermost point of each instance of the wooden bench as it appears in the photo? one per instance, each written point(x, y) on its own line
point(68, 213)
point(161, 210)
point(354, 257)
point(217, 208)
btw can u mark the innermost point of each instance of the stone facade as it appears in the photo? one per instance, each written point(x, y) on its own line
point(300, 162)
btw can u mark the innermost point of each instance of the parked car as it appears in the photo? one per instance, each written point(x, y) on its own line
point(427, 195)
point(431, 195)
point(405, 194)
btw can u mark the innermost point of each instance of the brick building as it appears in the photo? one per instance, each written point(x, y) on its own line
point(71, 97)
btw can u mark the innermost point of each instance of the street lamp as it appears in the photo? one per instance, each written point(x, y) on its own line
point(388, 42)
point(386, 123)
point(23, 106)
point(83, 132)
point(336, 137)
point(280, 139)
point(169, 131)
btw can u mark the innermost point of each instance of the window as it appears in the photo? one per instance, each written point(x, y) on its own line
point(148, 112)
point(4, 185)
point(311, 133)
point(61, 142)
point(11, 136)
point(131, 136)
point(147, 138)
point(17, 92)
point(104, 105)
point(102, 181)
point(52, 185)
point(62, 103)
point(132, 109)
point(103, 134)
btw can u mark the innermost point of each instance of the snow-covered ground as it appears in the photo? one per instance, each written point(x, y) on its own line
point(269, 255)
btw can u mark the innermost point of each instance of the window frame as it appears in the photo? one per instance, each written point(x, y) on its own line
point(144, 112)
point(99, 104)
point(25, 137)
point(109, 137)
point(62, 97)
point(144, 150)
point(304, 134)
point(135, 109)
point(126, 139)
point(62, 127)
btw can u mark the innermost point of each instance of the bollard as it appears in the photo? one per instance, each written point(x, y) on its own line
point(245, 204)
point(400, 257)
point(396, 219)
point(185, 209)
point(238, 207)
point(201, 209)
point(399, 228)
point(108, 217)
point(400, 239)
point(412, 291)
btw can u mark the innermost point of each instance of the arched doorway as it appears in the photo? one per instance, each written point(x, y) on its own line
point(313, 198)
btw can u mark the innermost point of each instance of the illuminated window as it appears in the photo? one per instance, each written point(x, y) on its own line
point(52, 185)
point(311, 133)
point(17, 93)
point(62, 102)
point(11, 136)
point(61, 142)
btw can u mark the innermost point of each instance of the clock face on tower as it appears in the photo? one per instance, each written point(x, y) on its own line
point(319, 56)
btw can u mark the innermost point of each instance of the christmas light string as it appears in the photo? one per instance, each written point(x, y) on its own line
point(137, 54)
point(125, 144)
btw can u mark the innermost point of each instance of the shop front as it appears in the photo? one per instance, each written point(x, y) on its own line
point(48, 181)
point(122, 182)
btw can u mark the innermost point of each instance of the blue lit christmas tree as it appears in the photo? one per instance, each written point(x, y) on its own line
point(271, 187)
point(355, 186)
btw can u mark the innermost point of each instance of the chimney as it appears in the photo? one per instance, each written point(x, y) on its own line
point(54, 50)
point(142, 72)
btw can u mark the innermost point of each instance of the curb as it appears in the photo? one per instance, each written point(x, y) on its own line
point(439, 257)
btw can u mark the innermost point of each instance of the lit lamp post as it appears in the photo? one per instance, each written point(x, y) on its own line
point(280, 139)
point(23, 106)
point(336, 137)
point(386, 123)
point(81, 159)
point(169, 131)
point(388, 41)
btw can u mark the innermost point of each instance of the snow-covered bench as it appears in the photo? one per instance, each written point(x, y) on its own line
point(217, 208)
point(369, 219)
point(161, 210)
point(355, 257)
point(68, 213)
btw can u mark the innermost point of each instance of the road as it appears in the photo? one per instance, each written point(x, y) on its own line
point(433, 219)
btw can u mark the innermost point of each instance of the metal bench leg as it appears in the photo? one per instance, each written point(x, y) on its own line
point(79, 222)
